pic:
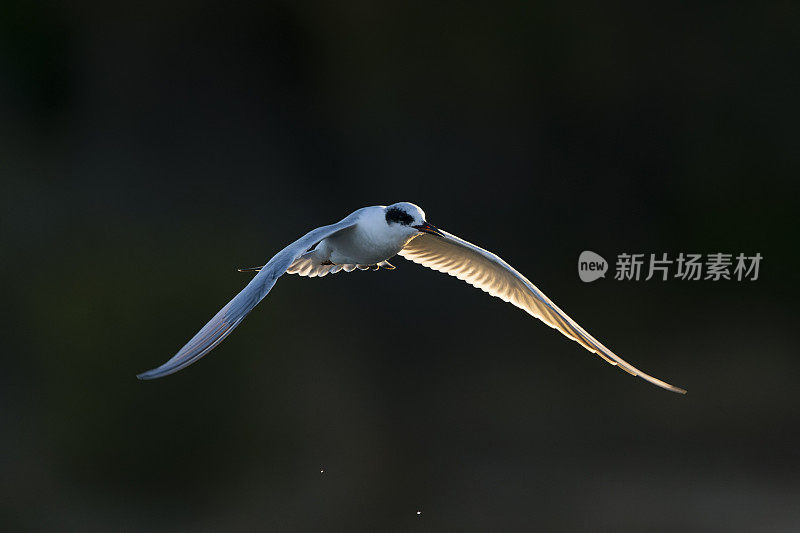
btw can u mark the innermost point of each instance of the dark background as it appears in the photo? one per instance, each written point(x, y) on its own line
point(148, 149)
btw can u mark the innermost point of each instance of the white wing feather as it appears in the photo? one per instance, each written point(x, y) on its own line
point(224, 322)
point(488, 272)
point(311, 267)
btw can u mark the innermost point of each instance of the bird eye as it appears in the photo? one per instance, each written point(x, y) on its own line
point(397, 215)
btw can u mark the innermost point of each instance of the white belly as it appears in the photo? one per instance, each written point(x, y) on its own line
point(353, 247)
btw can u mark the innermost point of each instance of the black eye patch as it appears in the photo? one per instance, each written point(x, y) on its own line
point(395, 214)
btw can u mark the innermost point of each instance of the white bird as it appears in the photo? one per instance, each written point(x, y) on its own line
point(366, 239)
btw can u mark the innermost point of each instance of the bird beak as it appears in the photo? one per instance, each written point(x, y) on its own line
point(427, 227)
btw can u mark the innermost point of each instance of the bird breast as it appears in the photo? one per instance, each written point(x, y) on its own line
point(361, 246)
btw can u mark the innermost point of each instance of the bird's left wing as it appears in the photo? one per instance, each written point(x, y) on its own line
point(226, 320)
point(488, 272)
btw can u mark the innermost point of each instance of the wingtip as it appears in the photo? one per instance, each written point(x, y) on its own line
point(666, 386)
point(657, 382)
point(671, 388)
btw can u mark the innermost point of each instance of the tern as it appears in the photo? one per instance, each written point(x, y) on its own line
point(367, 239)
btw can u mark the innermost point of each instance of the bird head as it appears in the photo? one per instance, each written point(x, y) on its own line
point(409, 218)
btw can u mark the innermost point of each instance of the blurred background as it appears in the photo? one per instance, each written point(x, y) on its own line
point(148, 149)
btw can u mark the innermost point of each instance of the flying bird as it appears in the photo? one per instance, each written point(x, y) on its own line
point(367, 239)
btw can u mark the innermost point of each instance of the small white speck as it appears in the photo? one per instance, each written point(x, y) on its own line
point(321, 471)
point(419, 513)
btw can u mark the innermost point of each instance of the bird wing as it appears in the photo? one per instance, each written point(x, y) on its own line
point(488, 272)
point(226, 320)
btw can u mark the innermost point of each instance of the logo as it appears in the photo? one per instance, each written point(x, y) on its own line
point(717, 266)
point(591, 266)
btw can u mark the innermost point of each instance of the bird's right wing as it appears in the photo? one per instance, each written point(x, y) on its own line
point(226, 320)
point(488, 272)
